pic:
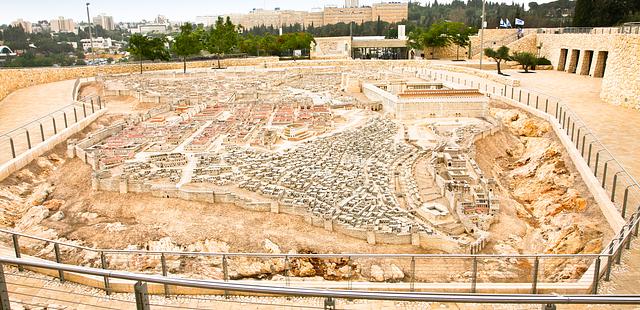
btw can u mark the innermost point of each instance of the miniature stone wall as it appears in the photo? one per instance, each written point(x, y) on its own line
point(14, 79)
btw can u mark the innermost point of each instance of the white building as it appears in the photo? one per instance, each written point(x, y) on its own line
point(413, 100)
point(148, 28)
point(26, 26)
point(208, 20)
point(351, 4)
point(99, 43)
point(63, 25)
point(105, 21)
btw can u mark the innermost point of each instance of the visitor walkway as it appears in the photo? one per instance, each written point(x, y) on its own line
point(28, 104)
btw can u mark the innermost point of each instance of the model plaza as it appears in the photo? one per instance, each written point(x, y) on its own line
point(298, 142)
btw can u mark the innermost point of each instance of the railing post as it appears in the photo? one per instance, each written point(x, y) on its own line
point(474, 274)
point(93, 109)
point(528, 97)
point(604, 174)
point(56, 248)
point(613, 189)
point(413, 273)
point(84, 109)
point(595, 172)
point(578, 139)
point(28, 138)
point(573, 130)
point(607, 274)
point(534, 276)
point(142, 296)
point(225, 270)
point(589, 158)
point(511, 92)
point(64, 115)
point(5, 304)
point(103, 263)
point(163, 261)
point(286, 270)
point(41, 132)
point(55, 128)
point(537, 99)
point(557, 108)
point(596, 276)
point(624, 202)
point(75, 114)
point(505, 90)
point(16, 249)
point(13, 148)
point(620, 245)
point(520, 96)
point(546, 105)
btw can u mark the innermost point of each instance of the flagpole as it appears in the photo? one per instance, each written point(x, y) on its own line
point(482, 36)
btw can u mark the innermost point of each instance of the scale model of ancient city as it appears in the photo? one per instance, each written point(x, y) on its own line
point(330, 172)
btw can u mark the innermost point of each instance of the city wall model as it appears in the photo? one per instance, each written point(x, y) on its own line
point(190, 167)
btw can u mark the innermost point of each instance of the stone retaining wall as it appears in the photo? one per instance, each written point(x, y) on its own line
point(14, 79)
point(621, 72)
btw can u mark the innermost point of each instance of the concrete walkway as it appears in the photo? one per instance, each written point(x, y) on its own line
point(28, 104)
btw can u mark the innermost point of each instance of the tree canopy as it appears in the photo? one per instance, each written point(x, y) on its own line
point(187, 43)
point(148, 48)
point(499, 55)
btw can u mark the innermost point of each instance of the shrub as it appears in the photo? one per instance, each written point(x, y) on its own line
point(542, 61)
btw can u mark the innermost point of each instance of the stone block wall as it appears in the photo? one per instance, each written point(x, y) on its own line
point(14, 79)
point(618, 55)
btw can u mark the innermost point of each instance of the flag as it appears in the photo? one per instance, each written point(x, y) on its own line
point(502, 24)
point(519, 22)
point(507, 23)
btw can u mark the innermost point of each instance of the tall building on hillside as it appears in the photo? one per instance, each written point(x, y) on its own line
point(63, 25)
point(105, 21)
point(391, 12)
point(26, 26)
point(351, 3)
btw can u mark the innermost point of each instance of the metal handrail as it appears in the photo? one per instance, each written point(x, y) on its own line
point(346, 294)
point(272, 255)
point(75, 104)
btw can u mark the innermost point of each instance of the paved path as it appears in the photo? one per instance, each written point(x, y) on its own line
point(27, 104)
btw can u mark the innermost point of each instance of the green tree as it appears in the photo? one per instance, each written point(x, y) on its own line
point(525, 59)
point(435, 36)
point(459, 35)
point(186, 44)
point(143, 47)
point(502, 54)
point(222, 39)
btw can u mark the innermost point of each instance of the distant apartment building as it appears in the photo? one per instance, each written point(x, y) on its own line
point(106, 22)
point(149, 28)
point(391, 12)
point(26, 26)
point(63, 25)
point(208, 20)
point(351, 3)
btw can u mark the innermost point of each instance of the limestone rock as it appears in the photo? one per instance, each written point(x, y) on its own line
point(377, 274)
point(40, 194)
point(58, 216)
point(115, 227)
point(33, 217)
point(53, 204)
point(271, 247)
point(44, 163)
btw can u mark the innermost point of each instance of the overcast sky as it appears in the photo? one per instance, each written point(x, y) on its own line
point(135, 10)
